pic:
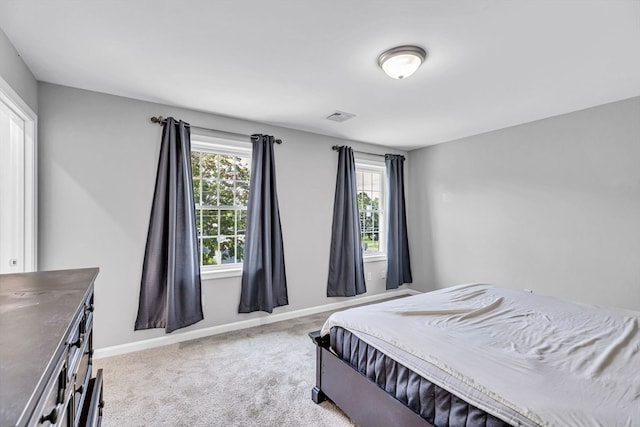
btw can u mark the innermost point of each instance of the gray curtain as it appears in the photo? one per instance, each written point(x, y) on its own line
point(170, 286)
point(264, 282)
point(346, 271)
point(398, 262)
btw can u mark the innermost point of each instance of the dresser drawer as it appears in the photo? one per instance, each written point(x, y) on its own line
point(73, 343)
point(51, 407)
point(82, 377)
point(78, 341)
point(92, 410)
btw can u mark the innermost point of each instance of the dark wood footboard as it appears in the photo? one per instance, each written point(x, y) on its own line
point(360, 398)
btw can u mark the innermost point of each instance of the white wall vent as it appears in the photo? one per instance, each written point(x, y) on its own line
point(340, 116)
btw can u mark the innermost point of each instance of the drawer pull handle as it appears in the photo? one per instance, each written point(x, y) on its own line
point(78, 342)
point(52, 417)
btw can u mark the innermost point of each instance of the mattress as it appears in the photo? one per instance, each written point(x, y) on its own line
point(433, 403)
point(526, 359)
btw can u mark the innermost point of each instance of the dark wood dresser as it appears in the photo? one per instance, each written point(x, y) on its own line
point(46, 349)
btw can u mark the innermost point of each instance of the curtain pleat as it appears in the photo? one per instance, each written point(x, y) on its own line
point(264, 282)
point(398, 262)
point(346, 270)
point(170, 287)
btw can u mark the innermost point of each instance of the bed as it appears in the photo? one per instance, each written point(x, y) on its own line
point(480, 355)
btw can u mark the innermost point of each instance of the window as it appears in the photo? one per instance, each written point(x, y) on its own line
point(221, 174)
point(370, 178)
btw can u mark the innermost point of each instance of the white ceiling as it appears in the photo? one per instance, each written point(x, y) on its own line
point(490, 64)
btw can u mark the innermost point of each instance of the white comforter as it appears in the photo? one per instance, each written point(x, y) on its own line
point(526, 358)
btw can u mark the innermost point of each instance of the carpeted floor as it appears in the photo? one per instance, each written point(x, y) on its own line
point(254, 377)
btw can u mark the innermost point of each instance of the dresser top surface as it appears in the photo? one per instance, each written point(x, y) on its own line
point(36, 311)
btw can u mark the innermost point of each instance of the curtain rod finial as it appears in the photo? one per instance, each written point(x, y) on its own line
point(158, 119)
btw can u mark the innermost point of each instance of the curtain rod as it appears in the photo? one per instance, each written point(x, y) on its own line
point(337, 148)
point(161, 121)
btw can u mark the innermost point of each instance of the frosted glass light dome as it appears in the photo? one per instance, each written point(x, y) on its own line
point(402, 61)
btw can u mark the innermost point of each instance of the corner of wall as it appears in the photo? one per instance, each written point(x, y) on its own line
point(15, 72)
point(419, 223)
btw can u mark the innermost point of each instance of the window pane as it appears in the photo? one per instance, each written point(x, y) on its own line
point(242, 193)
point(362, 199)
point(197, 186)
point(367, 184)
point(209, 193)
point(242, 221)
point(374, 244)
point(240, 249)
point(209, 223)
point(226, 167)
point(209, 249)
point(227, 250)
point(209, 166)
point(227, 222)
point(375, 202)
point(243, 168)
point(226, 193)
point(377, 183)
point(195, 163)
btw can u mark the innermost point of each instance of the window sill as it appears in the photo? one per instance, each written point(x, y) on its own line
point(374, 258)
point(221, 273)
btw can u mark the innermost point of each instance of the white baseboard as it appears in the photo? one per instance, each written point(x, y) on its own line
point(243, 324)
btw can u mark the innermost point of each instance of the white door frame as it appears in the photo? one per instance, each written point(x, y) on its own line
point(30, 209)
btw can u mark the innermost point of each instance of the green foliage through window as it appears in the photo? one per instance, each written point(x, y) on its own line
point(369, 184)
point(221, 193)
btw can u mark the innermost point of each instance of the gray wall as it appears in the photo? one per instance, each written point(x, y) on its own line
point(15, 72)
point(98, 157)
point(552, 206)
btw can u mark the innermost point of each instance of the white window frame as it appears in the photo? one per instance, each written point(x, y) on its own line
point(378, 167)
point(205, 143)
point(24, 157)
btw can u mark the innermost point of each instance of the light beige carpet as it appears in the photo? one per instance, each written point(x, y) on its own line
point(261, 376)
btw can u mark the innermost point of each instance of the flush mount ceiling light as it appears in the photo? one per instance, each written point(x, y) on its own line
point(402, 61)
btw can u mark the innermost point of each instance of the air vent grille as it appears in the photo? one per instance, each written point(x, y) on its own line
point(340, 116)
